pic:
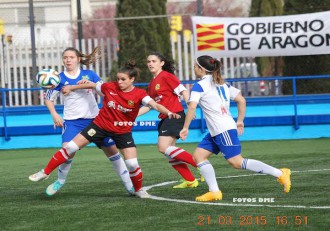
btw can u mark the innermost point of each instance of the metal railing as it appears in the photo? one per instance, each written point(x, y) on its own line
point(263, 100)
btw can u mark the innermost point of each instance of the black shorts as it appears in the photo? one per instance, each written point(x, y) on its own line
point(96, 135)
point(171, 127)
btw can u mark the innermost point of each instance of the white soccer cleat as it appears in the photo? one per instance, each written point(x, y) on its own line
point(142, 193)
point(54, 188)
point(41, 175)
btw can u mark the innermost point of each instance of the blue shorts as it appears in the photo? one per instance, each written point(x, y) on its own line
point(73, 127)
point(227, 143)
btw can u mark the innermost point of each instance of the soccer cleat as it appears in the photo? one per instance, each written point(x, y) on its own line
point(53, 188)
point(131, 192)
point(285, 180)
point(187, 184)
point(210, 196)
point(41, 175)
point(142, 193)
point(202, 179)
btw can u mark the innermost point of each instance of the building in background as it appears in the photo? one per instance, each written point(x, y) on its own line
point(53, 19)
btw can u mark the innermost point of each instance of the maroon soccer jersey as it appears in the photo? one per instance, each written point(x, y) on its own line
point(119, 109)
point(161, 89)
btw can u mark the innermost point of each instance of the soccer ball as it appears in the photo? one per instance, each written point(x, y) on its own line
point(48, 78)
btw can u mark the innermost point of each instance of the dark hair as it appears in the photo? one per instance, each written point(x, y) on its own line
point(212, 66)
point(130, 69)
point(168, 64)
point(86, 59)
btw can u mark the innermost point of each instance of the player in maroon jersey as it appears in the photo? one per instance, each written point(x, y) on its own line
point(116, 118)
point(166, 89)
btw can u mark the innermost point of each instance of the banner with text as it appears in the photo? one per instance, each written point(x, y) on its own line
point(304, 34)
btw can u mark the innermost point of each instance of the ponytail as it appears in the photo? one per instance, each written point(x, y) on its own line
point(211, 66)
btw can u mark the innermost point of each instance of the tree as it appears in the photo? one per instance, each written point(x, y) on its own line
point(310, 64)
point(138, 37)
point(268, 66)
point(99, 29)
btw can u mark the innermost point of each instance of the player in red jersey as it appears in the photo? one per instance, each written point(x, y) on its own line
point(166, 89)
point(116, 118)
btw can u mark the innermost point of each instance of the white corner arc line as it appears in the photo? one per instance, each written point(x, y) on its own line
point(236, 204)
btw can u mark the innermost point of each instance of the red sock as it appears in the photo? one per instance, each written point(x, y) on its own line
point(137, 178)
point(182, 155)
point(58, 158)
point(183, 170)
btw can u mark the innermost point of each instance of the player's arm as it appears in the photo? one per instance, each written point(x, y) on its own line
point(241, 107)
point(189, 117)
point(180, 90)
point(67, 89)
point(185, 95)
point(162, 109)
point(51, 96)
point(143, 110)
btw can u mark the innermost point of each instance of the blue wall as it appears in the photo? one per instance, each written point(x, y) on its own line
point(32, 127)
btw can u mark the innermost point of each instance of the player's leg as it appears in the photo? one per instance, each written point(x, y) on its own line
point(231, 149)
point(168, 133)
point(92, 133)
point(70, 129)
point(205, 148)
point(135, 171)
point(166, 146)
point(60, 157)
point(118, 164)
point(126, 145)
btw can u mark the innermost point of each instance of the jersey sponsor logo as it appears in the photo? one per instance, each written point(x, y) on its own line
point(112, 93)
point(111, 104)
point(130, 103)
point(157, 87)
point(91, 132)
point(158, 98)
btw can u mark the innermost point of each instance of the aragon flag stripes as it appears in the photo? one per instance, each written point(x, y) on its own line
point(210, 37)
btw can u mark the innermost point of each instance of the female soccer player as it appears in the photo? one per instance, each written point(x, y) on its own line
point(116, 118)
point(80, 108)
point(166, 89)
point(213, 96)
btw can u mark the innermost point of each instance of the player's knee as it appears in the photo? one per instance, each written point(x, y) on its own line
point(162, 149)
point(71, 148)
point(132, 164)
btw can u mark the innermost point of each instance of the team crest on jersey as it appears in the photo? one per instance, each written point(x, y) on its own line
point(157, 87)
point(130, 103)
point(85, 77)
point(91, 132)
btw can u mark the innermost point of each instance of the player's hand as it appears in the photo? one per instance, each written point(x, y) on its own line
point(184, 133)
point(83, 81)
point(66, 90)
point(58, 122)
point(240, 127)
point(173, 115)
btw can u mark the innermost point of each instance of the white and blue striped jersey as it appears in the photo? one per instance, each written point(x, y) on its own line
point(81, 103)
point(214, 100)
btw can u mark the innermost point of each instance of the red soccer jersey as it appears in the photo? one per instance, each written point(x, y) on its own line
point(161, 89)
point(119, 109)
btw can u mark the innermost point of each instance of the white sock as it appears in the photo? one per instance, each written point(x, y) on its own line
point(260, 167)
point(120, 167)
point(207, 171)
point(63, 171)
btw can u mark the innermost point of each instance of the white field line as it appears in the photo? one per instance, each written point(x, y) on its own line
point(237, 204)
